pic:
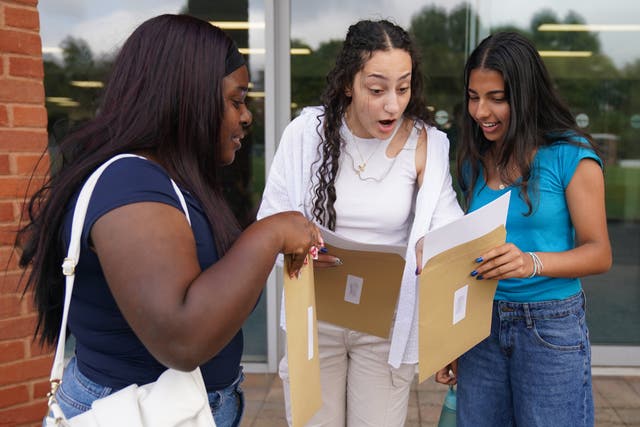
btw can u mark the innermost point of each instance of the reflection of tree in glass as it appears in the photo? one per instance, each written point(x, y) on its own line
point(308, 73)
point(64, 100)
point(69, 105)
point(441, 38)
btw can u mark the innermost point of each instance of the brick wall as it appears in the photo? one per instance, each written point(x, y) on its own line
point(24, 366)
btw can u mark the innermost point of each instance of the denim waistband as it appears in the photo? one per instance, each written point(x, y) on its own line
point(541, 309)
point(91, 387)
point(231, 387)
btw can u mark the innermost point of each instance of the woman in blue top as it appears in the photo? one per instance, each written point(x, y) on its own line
point(152, 291)
point(534, 369)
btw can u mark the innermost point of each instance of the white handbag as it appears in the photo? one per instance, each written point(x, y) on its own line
point(175, 399)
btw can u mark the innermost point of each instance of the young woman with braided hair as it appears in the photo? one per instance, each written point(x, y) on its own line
point(369, 165)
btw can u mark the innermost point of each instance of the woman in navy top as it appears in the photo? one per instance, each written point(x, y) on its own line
point(519, 137)
point(152, 291)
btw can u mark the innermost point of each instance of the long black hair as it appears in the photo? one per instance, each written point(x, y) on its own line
point(363, 39)
point(538, 116)
point(164, 96)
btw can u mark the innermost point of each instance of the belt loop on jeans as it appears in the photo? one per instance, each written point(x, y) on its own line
point(527, 315)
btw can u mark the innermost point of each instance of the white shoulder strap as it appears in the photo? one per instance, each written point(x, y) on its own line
point(73, 254)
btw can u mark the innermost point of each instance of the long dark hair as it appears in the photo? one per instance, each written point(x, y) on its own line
point(164, 97)
point(363, 39)
point(539, 117)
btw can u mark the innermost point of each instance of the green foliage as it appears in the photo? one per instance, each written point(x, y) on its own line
point(595, 85)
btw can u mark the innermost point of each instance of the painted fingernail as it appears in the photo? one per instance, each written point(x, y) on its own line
point(474, 273)
point(323, 250)
point(416, 271)
point(479, 277)
point(479, 259)
point(313, 251)
point(338, 261)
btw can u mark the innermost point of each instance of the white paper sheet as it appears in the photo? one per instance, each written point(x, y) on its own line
point(467, 228)
point(334, 239)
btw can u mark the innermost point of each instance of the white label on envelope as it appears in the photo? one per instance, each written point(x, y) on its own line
point(460, 304)
point(310, 332)
point(354, 289)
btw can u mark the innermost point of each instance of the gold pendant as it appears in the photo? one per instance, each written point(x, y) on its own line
point(361, 167)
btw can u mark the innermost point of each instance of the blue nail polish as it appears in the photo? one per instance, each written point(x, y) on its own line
point(416, 271)
point(479, 259)
point(323, 250)
point(473, 273)
point(479, 277)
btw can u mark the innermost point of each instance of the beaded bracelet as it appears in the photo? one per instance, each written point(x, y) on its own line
point(537, 265)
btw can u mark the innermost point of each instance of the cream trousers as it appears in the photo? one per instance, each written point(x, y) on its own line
point(359, 387)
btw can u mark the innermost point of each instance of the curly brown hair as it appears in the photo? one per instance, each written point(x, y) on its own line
point(363, 39)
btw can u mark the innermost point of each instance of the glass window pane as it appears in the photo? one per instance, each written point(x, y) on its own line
point(591, 51)
point(596, 69)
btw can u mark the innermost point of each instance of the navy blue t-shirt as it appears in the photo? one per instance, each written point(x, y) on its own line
point(107, 349)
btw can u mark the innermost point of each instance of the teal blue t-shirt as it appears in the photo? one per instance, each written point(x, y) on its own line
point(548, 228)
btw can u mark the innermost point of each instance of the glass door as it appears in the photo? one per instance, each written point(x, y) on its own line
point(591, 51)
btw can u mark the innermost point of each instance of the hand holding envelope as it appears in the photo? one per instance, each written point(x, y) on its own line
point(455, 308)
point(362, 291)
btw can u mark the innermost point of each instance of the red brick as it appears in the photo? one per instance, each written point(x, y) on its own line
point(7, 213)
point(8, 235)
point(4, 164)
point(18, 187)
point(27, 19)
point(41, 388)
point(4, 115)
point(22, 140)
point(35, 349)
point(23, 91)
point(17, 327)
point(29, 116)
point(25, 370)
point(9, 260)
point(20, 42)
point(14, 395)
point(21, 415)
point(10, 306)
point(11, 351)
point(25, 164)
point(11, 283)
point(27, 2)
point(26, 67)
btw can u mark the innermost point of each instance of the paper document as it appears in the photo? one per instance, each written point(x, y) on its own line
point(361, 294)
point(302, 344)
point(454, 307)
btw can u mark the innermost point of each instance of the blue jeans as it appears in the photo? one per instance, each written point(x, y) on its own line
point(533, 370)
point(77, 392)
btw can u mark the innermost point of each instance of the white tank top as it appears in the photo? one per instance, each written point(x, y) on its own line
point(376, 205)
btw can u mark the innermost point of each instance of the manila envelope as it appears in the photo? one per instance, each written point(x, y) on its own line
point(302, 344)
point(455, 308)
point(362, 293)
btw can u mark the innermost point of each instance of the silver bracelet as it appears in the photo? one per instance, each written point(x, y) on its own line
point(537, 265)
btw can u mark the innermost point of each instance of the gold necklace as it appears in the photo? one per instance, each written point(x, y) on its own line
point(502, 185)
point(363, 162)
